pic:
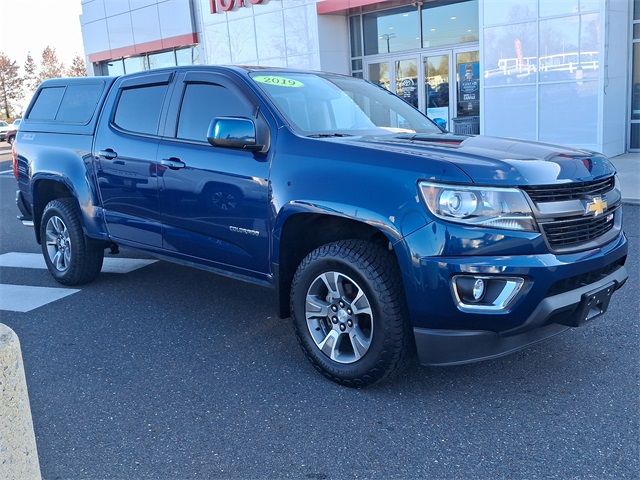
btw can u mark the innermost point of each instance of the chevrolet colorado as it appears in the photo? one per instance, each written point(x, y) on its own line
point(382, 234)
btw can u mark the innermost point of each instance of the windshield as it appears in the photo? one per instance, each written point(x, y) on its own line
point(335, 105)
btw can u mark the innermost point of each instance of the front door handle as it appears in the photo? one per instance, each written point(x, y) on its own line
point(173, 163)
point(109, 154)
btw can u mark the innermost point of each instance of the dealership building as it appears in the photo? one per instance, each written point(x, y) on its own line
point(557, 71)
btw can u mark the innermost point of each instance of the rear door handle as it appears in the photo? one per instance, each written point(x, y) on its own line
point(109, 154)
point(173, 163)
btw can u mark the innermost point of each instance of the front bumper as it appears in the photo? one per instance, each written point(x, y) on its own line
point(547, 303)
point(452, 347)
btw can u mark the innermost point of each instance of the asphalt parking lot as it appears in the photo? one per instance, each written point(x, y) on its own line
point(168, 372)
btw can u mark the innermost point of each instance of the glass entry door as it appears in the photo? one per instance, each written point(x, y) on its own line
point(380, 74)
point(407, 81)
point(436, 88)
point(444, 84)
point(399, 75)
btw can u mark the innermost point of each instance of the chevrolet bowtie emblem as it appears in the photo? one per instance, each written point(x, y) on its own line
point(597, 206)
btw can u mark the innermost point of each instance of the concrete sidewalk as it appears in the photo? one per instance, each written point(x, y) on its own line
point(628, 166)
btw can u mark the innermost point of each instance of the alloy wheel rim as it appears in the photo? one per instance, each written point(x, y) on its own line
point(339, 317)
point(58, 243)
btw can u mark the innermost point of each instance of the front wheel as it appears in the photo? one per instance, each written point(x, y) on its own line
point(349, 312)
point(71, 257)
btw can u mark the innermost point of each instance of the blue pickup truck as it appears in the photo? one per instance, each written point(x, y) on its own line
point(382, 235)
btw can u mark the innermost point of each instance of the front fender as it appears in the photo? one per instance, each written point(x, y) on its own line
point(377, 188)
point(350, 212)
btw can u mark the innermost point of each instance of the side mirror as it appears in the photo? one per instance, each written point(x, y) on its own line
point(233, 132)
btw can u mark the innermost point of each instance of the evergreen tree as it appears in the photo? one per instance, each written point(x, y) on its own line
point(30, 74)
point(77, 68)
point(50, 67)
point(10, 85)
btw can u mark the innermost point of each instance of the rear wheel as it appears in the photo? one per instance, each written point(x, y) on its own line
point(349, 312)
point(71, 257)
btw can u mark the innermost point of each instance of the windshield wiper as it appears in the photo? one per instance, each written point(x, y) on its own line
point(326, 135)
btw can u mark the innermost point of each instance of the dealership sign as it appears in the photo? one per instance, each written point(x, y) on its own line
point(221, 6)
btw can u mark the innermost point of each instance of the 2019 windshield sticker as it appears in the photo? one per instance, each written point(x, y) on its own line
point(279, 81)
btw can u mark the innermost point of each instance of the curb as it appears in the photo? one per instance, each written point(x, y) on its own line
point(18, 452)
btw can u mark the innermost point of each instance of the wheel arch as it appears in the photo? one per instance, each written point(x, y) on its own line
point(45, 189)
point(302, 229)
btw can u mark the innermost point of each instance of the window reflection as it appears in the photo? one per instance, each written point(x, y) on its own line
point(509, 11)
point(391, 31)
point(135, 64)
point(558, 7)
point(356, 40)
point(436, 79)
point(180, 56)
point(161, 60)
point(449, 24)
point(510, 54)
point(379, 74)
point(568, 110)
point(569, 48)
point(114, 68)
point(407, 81)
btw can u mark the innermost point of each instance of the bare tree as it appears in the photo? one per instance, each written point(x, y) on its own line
point(77, 68)
point(30, 76)
point(50, 66)
point(10, 84)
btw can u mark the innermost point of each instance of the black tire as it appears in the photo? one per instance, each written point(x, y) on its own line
point(10, 140)
point(86, 254)
point(375, 271)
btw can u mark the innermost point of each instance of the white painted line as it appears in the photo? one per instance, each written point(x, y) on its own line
point(24, 298)
point(124, 265)
point(36, 260)
point(6, 171)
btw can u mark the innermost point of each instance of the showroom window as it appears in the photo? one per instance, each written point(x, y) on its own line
point(391, 30)
point(449, 24)
point(149, 61)
point(634, 134)
point(433, 24)
point(540, 64)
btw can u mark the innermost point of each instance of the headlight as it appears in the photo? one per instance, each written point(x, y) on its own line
point(488, 207)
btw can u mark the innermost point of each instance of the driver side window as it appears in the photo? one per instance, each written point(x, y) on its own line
point(201, 103)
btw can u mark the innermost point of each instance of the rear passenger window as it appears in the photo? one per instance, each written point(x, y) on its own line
point(47, 104)
point(202, 102)
point(79, 103)
point(139, 109)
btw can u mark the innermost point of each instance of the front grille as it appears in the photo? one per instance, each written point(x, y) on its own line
point(569, 191)
point(573, 231)
point(572, 283)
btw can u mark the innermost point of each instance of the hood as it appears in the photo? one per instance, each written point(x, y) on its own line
point(493, 160)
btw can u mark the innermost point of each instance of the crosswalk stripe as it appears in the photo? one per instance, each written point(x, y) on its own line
point(36, 260)
point(24, 298)
point(6, 171)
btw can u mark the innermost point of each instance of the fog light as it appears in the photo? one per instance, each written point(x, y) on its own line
point(485, 292)
point(478, 289)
